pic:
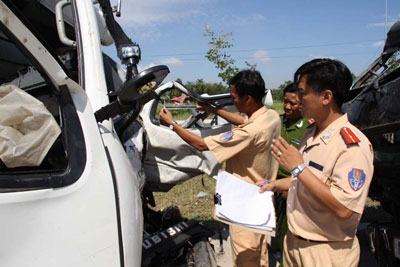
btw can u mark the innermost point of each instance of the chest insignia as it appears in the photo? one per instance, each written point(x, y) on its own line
point(316, 165)
point(225, 137)
point(348, 136)
point(356, 178)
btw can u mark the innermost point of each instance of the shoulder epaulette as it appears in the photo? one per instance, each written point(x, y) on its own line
point(348, 136)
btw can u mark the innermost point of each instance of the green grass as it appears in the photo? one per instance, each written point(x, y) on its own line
point(178, 112)
point(191, 206)
point(201, 208)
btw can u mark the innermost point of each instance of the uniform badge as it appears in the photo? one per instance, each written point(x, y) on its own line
point(356, 178)
point(226, 136)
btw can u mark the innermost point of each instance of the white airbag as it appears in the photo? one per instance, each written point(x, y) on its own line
point(27, 128)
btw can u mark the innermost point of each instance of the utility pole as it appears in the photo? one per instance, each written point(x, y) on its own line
point(385, 17)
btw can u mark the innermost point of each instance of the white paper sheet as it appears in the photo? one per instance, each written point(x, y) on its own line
point(242, 204)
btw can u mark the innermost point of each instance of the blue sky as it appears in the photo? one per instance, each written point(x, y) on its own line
point(278, 36)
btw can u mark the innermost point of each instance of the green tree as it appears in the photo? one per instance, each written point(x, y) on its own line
point(393, 62)
point(250, 66)
point(277, 94)
point(202, 87)
point(217, 54)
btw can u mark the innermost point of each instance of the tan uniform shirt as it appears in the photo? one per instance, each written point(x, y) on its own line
point(247, 153)
point(246, 149)
point(346, 169)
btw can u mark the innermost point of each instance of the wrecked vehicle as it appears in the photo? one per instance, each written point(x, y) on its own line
point(375, 109)
point(79, 199)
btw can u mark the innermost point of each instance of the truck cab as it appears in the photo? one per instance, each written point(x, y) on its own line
point(81, 205)
point(80, 202)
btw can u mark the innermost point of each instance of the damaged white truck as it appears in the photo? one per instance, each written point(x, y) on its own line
point(71, 195)
point(82, 149)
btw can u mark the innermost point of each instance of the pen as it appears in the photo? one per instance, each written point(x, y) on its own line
point(265, 183)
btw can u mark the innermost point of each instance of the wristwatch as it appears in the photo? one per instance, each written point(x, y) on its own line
point(171, 126)
point(297, 170)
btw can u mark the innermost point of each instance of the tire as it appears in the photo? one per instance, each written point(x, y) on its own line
point(202, 255)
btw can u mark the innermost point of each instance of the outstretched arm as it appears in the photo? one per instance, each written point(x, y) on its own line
point(190, 138)
point(234, 118)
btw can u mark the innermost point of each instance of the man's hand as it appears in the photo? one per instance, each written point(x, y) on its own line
point(205, 107)
point(280, 185)
point(287, 155)
point(267, 186)
point(166, 117)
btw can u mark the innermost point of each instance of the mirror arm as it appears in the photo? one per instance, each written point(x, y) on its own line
point(111, 110)
point(117, 108)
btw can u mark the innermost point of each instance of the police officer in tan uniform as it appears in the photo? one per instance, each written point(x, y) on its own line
point(330, 176)
point(246, 151)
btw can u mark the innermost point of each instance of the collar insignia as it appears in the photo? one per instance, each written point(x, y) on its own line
point(327, 135)
point(300, 124)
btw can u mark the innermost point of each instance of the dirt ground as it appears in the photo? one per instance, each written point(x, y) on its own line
point(222, 251)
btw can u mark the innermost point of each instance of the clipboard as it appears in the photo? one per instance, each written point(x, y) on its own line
point(239, 203)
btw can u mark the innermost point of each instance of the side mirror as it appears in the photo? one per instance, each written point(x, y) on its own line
point(146, 81)
point(136, 91)
point(392, 43)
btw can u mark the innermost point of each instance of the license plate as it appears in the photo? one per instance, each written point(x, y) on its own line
point(171, 232)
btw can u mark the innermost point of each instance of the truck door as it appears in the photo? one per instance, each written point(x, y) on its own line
point(169, 160)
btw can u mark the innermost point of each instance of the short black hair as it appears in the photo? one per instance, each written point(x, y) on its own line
point(326, 73)
point(291, 88)
point(249, 82)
